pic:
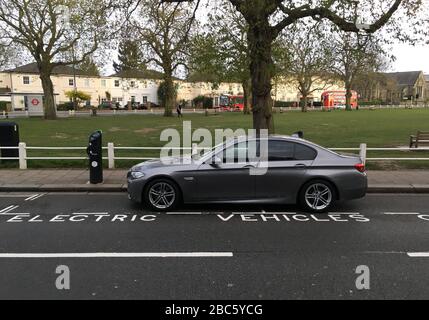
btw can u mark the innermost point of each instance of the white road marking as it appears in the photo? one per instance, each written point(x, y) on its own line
point(184, 213)
point(31, 197)
point(5, 211)
point(91, 213)
point(402, 213)
point(119, 255)
point(418, 254)
point(15, 196)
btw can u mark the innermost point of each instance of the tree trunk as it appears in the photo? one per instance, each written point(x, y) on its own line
point(247, 90)
point(49, 108)
point(304, 103)
point(348, 98)
point(170, 96)
point(261, 68)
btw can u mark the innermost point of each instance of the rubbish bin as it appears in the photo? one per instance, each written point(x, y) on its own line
point(95, 154)
point(9, 137)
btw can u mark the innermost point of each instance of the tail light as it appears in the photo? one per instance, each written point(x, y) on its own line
point(360, 167)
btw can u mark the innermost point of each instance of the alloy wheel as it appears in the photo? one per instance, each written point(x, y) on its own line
point(318, 196)
point(162, 195)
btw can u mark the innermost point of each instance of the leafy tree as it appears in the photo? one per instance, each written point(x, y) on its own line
point(221, 53)
point(306, 59)
point(89, 66)
point(163, 31)
point(55, 33)
point(268, 18)
point(78, 96)
point(355, 54)
point(130, 57)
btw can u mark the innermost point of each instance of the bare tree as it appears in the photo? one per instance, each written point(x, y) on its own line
point(306, 59)
point(222, 53)
point(55, 33)
point(355, 54)
point(163, 30)
point(267, 19)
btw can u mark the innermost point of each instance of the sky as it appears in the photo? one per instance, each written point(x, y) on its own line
point(408, 57)
point(411, 58)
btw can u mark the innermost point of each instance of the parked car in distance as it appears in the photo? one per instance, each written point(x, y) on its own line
point(298, 171)
point(108, 105)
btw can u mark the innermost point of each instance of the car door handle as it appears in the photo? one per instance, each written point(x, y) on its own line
point(300, 165)
point(249, 167)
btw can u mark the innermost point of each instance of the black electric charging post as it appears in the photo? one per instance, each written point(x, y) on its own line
point(9, 137)
point(95, 155)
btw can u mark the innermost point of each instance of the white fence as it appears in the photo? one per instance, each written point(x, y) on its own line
point(112, 158)
point(158, 111)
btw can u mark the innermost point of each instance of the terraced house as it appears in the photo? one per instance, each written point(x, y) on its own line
point(22, 87)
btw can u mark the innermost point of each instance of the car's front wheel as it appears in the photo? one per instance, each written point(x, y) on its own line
point(162, 195)
point(317, 196)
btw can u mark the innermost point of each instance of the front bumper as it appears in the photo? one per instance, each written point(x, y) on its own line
point(135, 188)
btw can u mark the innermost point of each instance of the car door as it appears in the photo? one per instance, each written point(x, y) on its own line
point(227, 180)
point(288, 163)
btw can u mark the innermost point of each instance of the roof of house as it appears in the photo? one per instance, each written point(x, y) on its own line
point(32, 68)
point(408, 78)
point(204, 77)
point(140, 74)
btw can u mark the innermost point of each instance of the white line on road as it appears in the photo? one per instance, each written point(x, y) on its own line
point(402, 213)
point(8, 209)
point(91, 213)
point(15, 196)
point(119, 255)
point(184, 213)
point(31, 197)
point(418, 254)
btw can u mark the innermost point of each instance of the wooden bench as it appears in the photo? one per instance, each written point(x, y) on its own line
point(422, 137)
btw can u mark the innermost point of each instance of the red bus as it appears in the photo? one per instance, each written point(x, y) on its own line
point(229, 102)
point(337, 100)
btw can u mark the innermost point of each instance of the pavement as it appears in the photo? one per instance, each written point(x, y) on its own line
point(75, 180)
point(102, 246)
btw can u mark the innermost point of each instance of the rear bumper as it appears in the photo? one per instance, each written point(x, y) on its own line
point(355, 189)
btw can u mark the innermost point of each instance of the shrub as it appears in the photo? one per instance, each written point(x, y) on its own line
point(203, 101)
point(3, 105)
point(285, 104)
point(65, 106)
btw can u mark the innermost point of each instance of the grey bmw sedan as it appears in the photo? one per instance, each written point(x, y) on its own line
point(292, 170)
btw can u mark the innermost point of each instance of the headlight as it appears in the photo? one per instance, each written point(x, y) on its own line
point(137, 174)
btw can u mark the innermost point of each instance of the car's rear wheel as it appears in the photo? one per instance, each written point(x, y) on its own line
point(162, 195)
point(317, 196)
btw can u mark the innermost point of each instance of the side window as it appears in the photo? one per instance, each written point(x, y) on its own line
point(289, 151)
point(303, 152)
point(281, 151)
point(245, 151)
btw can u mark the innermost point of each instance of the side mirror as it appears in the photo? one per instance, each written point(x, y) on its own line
point(216, 161)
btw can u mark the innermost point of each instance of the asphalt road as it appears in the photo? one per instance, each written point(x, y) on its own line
point(116, 250)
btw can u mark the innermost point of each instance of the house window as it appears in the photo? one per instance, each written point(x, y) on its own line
point(117, 83)
point(26, 80)
point(103, 83)
point(86, 82)
point(144, 99)
point(71, 82)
